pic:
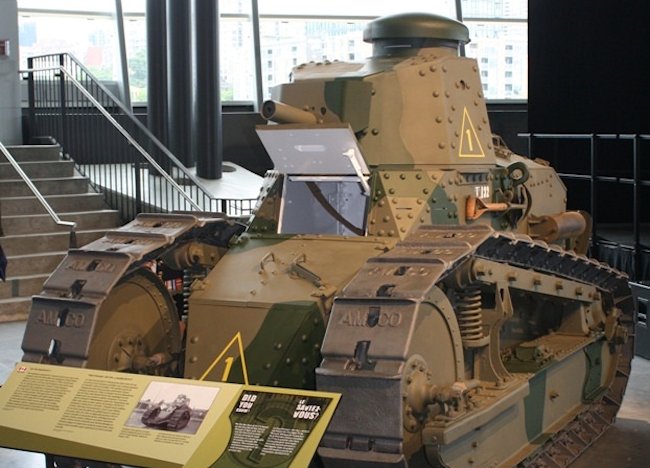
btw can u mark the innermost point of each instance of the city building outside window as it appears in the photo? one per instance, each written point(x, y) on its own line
point(291, 32)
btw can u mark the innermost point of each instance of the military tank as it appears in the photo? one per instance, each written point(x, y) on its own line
point(171, 416)
point(398, 254)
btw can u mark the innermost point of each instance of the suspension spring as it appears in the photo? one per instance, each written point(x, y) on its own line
point(189, 276)
point(469, 309)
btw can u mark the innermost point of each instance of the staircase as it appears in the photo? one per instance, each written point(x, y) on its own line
point(33, 243)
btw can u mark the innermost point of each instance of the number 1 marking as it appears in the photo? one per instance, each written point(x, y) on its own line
point(226, 371)
point(469, 140)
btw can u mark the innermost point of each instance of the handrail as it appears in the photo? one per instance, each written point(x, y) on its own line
point(636, 181)
point(112, 146)
point(70, 224)
point(118, 103)
point(124, 133)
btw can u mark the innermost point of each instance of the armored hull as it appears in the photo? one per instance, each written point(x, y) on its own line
point(398, 254)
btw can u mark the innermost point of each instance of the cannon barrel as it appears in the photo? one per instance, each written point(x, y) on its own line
point(279, 112)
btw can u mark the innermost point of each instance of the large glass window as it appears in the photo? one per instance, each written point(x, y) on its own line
point(499, 41)
point(291, 32)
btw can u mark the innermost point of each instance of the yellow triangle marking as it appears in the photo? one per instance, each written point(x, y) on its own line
point(470, 145)
point(229, 360)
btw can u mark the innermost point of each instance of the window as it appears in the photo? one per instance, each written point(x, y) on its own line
point(484, 73)
point(485, 87)
point(291, 32)
point(508, 74)
point(499, 32)
point(508, 87)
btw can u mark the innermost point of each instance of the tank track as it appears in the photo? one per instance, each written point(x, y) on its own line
point(440, 251)
point(566, 445)
point(62, 319)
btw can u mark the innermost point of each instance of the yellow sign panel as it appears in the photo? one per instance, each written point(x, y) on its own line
point(162, 422)
point(470, 145)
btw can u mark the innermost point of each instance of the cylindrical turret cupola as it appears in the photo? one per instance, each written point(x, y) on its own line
point(408, 33)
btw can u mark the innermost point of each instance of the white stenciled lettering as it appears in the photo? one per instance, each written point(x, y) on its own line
point(361, 319)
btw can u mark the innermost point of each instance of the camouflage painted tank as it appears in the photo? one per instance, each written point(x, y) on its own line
point(172, 416)
point(398, 254)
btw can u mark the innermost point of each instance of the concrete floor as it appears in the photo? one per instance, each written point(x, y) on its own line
point(625, 445)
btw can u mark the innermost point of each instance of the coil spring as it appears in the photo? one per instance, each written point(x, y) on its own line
point(189, 276)
point(469, 309)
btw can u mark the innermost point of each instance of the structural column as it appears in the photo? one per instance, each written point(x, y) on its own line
point(179, 80)
point(207, 124)
point(157, 76)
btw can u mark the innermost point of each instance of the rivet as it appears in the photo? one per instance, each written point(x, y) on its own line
point(441, 145)
point(436, 94)
point(375, 131)
point(422, 73)
point(194, 339)
point(386, 175)
point(391, 233)
point(402, 176)
point(194, 359)
point(444, 69)
point(439, 119)
point(432, 68)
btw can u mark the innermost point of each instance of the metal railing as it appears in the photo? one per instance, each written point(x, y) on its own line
point(71, 225)
point(111, 146)
point(593, 175)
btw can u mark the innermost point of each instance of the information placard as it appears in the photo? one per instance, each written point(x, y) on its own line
point(154, 421)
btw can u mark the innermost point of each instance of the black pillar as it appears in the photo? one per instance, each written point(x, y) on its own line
point(157, 76)
point(179, 80)
point(207, 123)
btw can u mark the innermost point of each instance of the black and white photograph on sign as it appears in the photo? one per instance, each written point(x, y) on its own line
point(172, 407)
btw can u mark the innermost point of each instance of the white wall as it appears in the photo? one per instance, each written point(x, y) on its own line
point(10, 126)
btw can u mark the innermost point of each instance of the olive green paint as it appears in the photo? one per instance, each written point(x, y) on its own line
point(592, 388)
point(286, 350)
point(534, 404)
point(350, 100)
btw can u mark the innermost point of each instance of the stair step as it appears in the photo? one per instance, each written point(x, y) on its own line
point(35, 152)
point(36, 169)
point(49, 186)
point(25, 244)
point(25, 265)
point(59, 203)
point(22, 286)
point(15, 309)
point(27, 224)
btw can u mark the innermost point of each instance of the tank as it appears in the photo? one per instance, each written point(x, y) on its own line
point(172, 416)
point(399, 254)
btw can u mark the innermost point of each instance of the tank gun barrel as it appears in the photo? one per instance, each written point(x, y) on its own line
point(279, 112)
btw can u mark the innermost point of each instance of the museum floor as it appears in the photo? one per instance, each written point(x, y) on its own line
point(625, 445)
